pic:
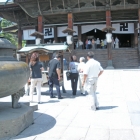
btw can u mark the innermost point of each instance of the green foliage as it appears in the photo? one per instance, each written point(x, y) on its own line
point(11, 37)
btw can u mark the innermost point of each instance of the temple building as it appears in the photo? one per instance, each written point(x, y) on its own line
point(87, 18)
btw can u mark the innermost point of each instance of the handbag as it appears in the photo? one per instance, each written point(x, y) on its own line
point(68, 75)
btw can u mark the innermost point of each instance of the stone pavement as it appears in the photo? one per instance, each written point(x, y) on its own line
point(118, 117)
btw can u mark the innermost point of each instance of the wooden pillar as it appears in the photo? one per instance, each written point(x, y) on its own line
point(19, 38)
point(139, 19)
point(108, 18)
point(135, 35)
point(40, 26)
point(109, 45)
point(139, 31)
point(79, 32)
point(108, 23)
point(70, 25)
point(55, 34)
point(70, 20)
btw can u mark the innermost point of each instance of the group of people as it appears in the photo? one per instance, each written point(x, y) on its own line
point(87, 73)
point(54, 72)
point(92, 44)
point(97, 43)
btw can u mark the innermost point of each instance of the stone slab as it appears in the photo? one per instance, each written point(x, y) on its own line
point(13, 121)
point(97, 134)
point(135, 119)
point(121, 134)
point(136, 131)
point(134, 107)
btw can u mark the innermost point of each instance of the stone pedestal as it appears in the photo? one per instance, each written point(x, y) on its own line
point(139, 44)
point(109, 65)
point(14, 121)
point(139, 47)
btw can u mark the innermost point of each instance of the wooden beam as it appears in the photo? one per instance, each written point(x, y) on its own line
point(135, 34)
point(39, 7)
point(40, 24)
point(139, 18)
point(70, 20)
point(40, 27)
point(79, 5)
point(63, 4)
point(108, 18)
point(55, 34)
point(19, 38)
point(124, 4)
point(109, 45)
point(94, 3)
point(79, 32)
point(51, 6)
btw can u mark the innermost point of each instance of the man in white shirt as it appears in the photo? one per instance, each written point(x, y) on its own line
point(81, 67)
point(98, 43)
point(116, 43)
point(105, 43)
point(92, 71)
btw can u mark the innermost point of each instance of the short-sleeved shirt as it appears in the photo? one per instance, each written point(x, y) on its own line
point(81, 66)
point(92, 68)
point(53, 65)
point(36, 70)
point(73, 67)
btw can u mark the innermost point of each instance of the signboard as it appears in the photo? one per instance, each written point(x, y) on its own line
point(123, 28)
point(48, 33)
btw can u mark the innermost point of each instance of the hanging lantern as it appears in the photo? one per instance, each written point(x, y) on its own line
point(69, 39)
point(109, 37)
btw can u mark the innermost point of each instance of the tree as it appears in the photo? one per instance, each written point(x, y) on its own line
point(11, 37)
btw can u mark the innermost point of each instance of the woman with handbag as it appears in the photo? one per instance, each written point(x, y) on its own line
point(73, 67)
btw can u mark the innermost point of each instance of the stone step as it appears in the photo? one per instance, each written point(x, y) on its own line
point(121, 58)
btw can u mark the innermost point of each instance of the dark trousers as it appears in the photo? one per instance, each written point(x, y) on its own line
point(54, 81)
point(74, 80)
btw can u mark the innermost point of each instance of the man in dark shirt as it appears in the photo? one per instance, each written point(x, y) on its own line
point(54, 75)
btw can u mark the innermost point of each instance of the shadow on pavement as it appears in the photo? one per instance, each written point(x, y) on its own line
point(42, 124)
point(106, 107)
point(53, 101)
point(68, 94)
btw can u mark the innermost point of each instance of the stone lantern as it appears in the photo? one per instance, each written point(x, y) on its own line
point(13, 74)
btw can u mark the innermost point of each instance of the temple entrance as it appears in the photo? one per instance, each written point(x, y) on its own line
point(96, 34)
point(125, 40)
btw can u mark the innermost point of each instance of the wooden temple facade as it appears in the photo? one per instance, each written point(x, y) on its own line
point(38, 14)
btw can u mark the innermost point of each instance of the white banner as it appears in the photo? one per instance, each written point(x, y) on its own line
point(27, 33)
point(48, 33)
point(121, 28)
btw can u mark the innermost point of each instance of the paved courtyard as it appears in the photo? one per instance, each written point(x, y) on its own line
point(71, 118)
